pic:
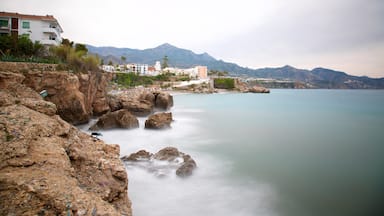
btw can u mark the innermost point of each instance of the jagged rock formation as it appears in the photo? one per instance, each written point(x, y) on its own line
point(47, 166)
point(77, 96)
point(179, 163)
point(118, 119)
point(159, 121)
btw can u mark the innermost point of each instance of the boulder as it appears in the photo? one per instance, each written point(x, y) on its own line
point(168, 154)
point(138, 156)
point(139, 108)
point(178, 162)
point(118, 119)
point(159, 121)
point(163, 100)
point(114, 103)
point(186, 167)
point(258, 89)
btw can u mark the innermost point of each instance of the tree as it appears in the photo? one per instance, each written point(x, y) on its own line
point(67, 42)
point(165, 62)
point(81, 48)
point(123, 58)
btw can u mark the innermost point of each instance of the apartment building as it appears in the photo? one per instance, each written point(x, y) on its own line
point(45, 29)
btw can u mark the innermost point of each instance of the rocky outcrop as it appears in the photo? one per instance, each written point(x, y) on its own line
point(137, 107)
point(159, 121)
point(178, 162)
point(47, 166)
point(77, 96)
point(163, 100)
point(258, 89)
point(159, 100)
point(118, 119)
point(138, 156)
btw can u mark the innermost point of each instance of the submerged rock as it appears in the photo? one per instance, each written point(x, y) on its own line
point(118, 119)
point(170, 158)
point(159, 121)
point(168, 153)
point(138, 156)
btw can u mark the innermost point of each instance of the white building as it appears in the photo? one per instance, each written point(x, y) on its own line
point(45, 29)
point(108, 68)
point(199, 72)
point(158, 66)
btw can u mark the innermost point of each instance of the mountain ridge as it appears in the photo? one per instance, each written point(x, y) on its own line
point(178, 57)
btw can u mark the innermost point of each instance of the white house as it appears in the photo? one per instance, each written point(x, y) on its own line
point(45, 29)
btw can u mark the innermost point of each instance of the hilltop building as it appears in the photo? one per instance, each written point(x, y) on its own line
point(45, 29)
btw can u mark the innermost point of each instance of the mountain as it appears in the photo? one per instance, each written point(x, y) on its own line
point(177, 57)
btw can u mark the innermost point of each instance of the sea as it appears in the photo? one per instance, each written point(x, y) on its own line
point(287, 153)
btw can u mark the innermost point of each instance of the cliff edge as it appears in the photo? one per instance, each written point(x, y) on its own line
point(47, 166)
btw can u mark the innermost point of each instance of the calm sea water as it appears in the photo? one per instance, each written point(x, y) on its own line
point(291, 152)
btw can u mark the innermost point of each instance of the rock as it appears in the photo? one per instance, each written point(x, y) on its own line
point(118, 119)
point(159, 121)
point(138, 108)
point(258, 89)
point(114, 103)
point(163, 100)
point(138, 156)
point(186, 167)
point(49, 167)
point(168, 153)
point(181, 164)
point(148, 96)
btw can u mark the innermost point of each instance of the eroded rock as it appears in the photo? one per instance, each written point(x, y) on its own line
point(118, 119)
point(159, 121)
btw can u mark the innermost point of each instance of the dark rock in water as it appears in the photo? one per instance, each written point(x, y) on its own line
point(138, 107)
point(187, 167)
point(118, 119)
point(163, 100)
point(159, 121)
point(168, 153)
point(178, 162)
point(140, 155)
point(258, 89)
point(114, 103)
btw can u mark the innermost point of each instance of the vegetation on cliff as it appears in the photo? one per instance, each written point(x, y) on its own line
point(224, 83)
point(68, 55)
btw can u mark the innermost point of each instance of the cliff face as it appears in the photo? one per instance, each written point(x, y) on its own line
point(47, 166)
point(77, 96)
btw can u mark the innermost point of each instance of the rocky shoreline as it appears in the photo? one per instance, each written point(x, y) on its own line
point(48, 166)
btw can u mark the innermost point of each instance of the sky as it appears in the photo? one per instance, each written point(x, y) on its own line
point(344, 35)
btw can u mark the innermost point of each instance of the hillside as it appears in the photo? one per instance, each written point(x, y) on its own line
point(316, 78)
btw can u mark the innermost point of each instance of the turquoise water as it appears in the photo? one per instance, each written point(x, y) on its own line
point(291, 152)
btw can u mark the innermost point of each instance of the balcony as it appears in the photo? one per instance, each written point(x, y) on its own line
point(50, 42)
point(51, 31)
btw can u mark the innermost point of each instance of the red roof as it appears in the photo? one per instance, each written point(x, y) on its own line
point(27, 16)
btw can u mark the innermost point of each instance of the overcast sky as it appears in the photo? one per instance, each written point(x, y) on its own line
point(345, 35)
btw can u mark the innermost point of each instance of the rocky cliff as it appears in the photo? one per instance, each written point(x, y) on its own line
point(47, 166)
point(77, 96)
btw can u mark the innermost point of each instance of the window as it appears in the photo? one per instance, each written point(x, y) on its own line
point(3, 23)
point(25, 25)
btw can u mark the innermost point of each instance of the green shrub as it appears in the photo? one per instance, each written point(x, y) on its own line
point(224, 83)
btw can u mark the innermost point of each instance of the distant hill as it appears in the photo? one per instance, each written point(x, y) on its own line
point(316, 78)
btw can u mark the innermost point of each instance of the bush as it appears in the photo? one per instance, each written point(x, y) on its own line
point(224, 83)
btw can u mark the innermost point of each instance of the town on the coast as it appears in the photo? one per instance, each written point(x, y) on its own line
point(45, 32)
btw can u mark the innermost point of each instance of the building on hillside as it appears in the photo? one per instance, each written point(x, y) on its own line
point(158, 66)
point(198, 72)
point(45, 29)
point(108, 68)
